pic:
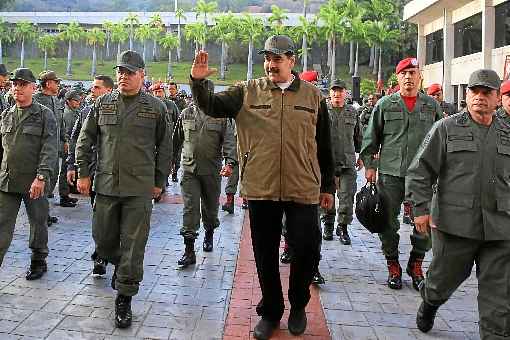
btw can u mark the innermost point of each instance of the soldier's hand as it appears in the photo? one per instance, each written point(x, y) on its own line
point(84, 185)
point(226, 171)
point(156, 192)
point(326, 201)
point(423, 223)
point(371, 175)
point(71, 177)
point(200, 68)
point(36, 189)
point(359, 164)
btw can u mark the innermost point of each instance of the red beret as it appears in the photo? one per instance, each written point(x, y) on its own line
point(505, 87)
point(309, 76)
point(406, 63)
point(434, 88)
point(156, 87)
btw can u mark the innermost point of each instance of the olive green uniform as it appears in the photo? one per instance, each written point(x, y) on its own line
point(3, 101)
point(70, 116)
point(346, 141)
point(470, 208)
point(364, 117)
point(204, 139)
point(177, 151)
point(395, 133)
point(133, 140)
point(29, 148)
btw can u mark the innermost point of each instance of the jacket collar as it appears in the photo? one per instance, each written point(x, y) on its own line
point(294, 86)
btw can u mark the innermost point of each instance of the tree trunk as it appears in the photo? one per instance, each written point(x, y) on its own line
point(351, 57)
point(179, 38)
point(379, 74)
point(118, 49)
point(108, 46)
point(249, 73)
point(222, 62)
point(329, 52)
point(333, 58)
point(356, 60)
point(144, 49)
point(372, 56)
point(1, 52)
point(304, 47)
point(197, 47)
point(69, 70)
point(155, 50)
point(169, 69)
point(22, 55)
point(376, 63)
point(45, 59)
point(131, 39)
point(94, 61)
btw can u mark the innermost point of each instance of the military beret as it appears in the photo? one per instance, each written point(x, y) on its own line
point(434, 88)
point(278, 44)
point(505, 87)
point(484, 78)
point(309, 76)
point(406, 63)
point(24, 74)
point(131, 60)
point(48, 75)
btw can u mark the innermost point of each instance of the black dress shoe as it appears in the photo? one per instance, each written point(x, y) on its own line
point(297, 321)
point(208, 241)
point(72, 199)
point(425, 317)
point(99, 267)
point(341, 230)
point(36, 270)
point(174, 177)
point(52, 219)
point(66, 202)
point(318, 279)
point(123, 314)
point(286, 256)
point(264, 329)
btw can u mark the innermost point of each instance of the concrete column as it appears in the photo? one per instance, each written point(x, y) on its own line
point(421, 46)
point(488, 32)
point(448, 48)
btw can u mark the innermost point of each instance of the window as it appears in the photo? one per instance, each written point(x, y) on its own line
point(468, 36)
point(434, 49)
point(502, 25)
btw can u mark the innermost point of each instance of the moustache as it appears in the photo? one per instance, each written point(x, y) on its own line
point(272, 70)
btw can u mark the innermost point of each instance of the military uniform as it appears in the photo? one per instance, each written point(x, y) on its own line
point(30, 132)
point(132, 136)
point(177, 152)
point(233, 179)
point(364, 117)
point(448, 108)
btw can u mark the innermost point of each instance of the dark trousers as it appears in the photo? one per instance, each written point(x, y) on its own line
point(303, 236)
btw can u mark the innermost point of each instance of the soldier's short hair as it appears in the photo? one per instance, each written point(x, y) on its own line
point(107, 81)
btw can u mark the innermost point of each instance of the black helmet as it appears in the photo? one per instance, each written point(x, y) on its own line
point(371, 209)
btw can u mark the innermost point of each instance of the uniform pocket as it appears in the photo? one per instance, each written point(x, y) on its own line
point(107, 120)
point(459, 145)
point(32, 130)
point(393, 121)
point(214, 127)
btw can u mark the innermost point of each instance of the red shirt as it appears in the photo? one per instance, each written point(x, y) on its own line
point(410, 102)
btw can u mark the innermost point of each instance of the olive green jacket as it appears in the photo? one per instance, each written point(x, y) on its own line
point(345, 136)
point(70, 117)
point(52, 103)
point(396, 133)
point(3, 102)
point(133, 142)
point(472, 172)
point(205, 139)
point(29, 147)
point(364, 117)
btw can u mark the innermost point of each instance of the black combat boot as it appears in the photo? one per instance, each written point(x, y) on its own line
point(297, 321)
point(67, 202)
point(414, 269)
point(208, 240)
point(341, 230)
point(327, 235)
point(317, 278)
point(99, 267)
point(394, 274)
point(188, 258)
point(123, 314)
point(229, 204)
point(286, 256)
point(36, 270)
point(425, 317)
point(264, 329)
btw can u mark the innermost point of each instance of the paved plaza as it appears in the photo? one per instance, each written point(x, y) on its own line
point(195, 303)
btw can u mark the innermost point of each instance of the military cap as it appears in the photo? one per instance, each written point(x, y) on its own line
point(434, 88)
point(24, 74)
point(339, 83)
point(484, 78)
point(72, 95)
point(48, 75)
point(406, 63)
point(78, 87)
point(505, 87)
point(278, 44)
point(131, 60)
point(3, 70)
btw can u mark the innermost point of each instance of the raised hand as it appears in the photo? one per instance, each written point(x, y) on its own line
point(200, 68)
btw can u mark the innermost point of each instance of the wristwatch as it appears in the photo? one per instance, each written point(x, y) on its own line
point(41, 177)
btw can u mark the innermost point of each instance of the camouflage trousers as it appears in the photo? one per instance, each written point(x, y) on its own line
point(345, 193)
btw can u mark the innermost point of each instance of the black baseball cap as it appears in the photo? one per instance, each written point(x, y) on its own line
point(24, 74)
point(484, 78)
point(338, 83)
point(131, 60)
point(278, 44)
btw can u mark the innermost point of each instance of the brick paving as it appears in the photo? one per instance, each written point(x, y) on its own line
point(68, 303)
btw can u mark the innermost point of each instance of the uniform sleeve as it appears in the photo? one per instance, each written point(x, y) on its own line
point(424, 170)
point(325, 150)
point(49, 153)
point(438, 111)
point(229, 144)
point(86, 139)
point(224, 104)
point(163, 147)
point(372, 138)
point(71, 158)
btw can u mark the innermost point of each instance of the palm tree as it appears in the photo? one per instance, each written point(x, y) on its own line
point(47, 43)
point(143, 33)
point(170, 42)
point(95, 37)
point(205, 8)
point(307, 31)
point(196, 32)
point(5, 36)
point(381, 10)
point(119, 35)
point(108, 28)
point(179, 14)
point(70, 33)
point(353, 32)
point(329, 14)
point(24, 30)
point(278, 15)
point(156, 22)
point(225, 33)
point(131, 21)
point(384, 36)
point(251, 29)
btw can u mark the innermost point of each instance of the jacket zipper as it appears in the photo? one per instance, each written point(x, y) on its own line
point(281, 145)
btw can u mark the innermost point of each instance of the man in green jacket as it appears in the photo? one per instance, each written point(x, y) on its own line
point(4, 78)
point(395, 130)
point(130, 129)
point(459, 186)
point(28, 152)
point(505, 99)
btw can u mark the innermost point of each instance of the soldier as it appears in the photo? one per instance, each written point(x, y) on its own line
point(27, 129)
point(203, 140)
point(436, 92)
point(395, 130)
point(4, 78)
point(173, 91)
point(505, 99)
point(459, 186)
point(130, 129)
point(366, 111)
point(49, 83)
point(233, 179)
point(346, 141)
point(286, 168)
